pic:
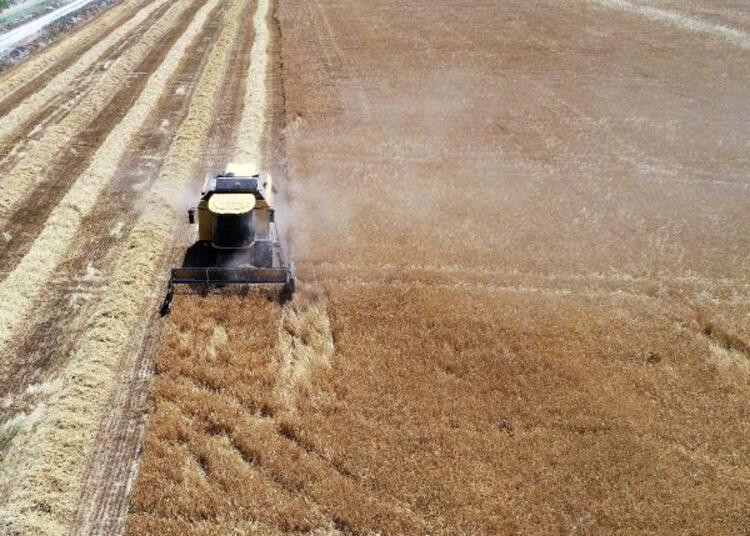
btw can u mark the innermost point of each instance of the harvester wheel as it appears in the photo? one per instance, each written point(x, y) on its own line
point(287, 292)
point(166, 306)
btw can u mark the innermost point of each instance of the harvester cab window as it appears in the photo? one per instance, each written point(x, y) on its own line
point(237, 185)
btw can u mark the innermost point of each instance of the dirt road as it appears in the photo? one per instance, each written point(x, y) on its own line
point(523, 238)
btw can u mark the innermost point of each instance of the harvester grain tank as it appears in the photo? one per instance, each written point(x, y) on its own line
point(238, 241)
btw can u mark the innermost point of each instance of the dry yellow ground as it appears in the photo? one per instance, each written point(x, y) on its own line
point(526, 297)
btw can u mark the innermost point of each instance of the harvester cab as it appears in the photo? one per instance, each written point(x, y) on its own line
point(238, 241)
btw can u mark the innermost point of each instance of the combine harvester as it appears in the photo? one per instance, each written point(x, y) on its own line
point(238, 241)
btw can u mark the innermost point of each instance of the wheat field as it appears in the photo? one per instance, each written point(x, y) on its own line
point(525, 300)
point(522, 239)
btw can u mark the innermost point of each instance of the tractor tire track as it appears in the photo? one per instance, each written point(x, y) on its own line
point(275, 146)
point(716, 290)
point(70, 134)
point(31, 216)
point(677, 19)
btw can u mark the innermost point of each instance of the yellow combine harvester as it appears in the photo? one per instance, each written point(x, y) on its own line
point(238, 242)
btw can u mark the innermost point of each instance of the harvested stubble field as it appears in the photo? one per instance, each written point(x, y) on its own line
point(522, 232)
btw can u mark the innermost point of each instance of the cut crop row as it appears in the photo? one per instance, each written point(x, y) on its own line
point(43, 493)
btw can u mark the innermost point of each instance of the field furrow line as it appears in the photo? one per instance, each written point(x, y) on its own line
point(254, 115)
point(597, 278)
point(29, 216)
point(25, 282)
point(17, 114)
point(59, 316)
point(20, 182)
point(55, 451)
point(452, 278)
point(30, 74)
point(483, 288)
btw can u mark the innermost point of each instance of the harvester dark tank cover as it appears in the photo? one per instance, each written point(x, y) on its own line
point(238, 241)
point(236, 184)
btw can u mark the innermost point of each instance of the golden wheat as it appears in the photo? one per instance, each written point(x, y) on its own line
point(530, 298)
